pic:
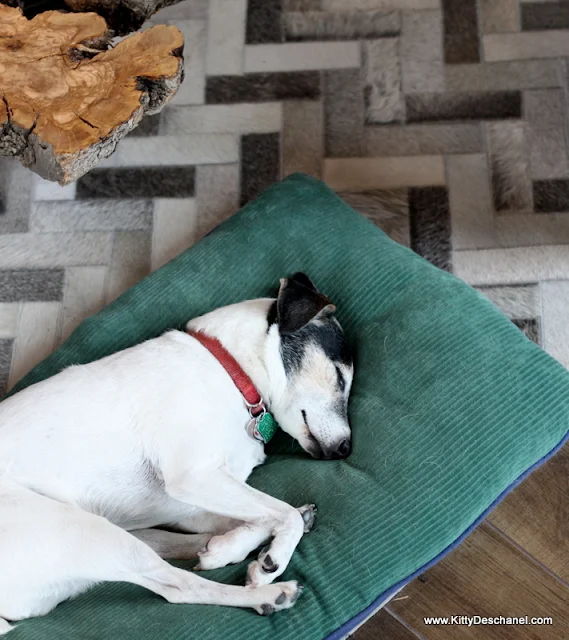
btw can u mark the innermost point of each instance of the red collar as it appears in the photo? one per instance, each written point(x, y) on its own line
point(241, 380)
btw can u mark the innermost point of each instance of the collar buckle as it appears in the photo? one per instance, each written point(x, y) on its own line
point(256, 410)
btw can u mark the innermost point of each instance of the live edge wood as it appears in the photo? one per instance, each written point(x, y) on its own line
point(66, 99)
point(122, 16)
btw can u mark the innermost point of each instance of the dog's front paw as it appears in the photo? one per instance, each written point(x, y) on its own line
point(256, 577)
point(262, 571)
point(282, 595)
point(308, 513)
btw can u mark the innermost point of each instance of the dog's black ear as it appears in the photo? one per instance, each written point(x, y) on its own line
point(299, 303)
point(303, 279)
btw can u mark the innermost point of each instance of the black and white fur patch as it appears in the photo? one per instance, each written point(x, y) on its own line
point(302, 309)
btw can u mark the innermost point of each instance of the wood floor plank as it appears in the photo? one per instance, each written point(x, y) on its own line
point(536, 514)
point(487, 576)
point(383, 626)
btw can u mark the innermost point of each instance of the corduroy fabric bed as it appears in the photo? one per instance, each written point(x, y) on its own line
point(451, 406)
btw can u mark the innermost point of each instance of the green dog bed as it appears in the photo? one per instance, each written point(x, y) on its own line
point(451, 407)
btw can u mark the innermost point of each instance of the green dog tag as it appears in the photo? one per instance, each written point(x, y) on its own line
point(267, 427)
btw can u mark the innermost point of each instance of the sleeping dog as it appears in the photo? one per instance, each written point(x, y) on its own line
point(165, 434)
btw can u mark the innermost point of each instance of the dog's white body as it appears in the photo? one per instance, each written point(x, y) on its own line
point(117, 444)
point(153, 435)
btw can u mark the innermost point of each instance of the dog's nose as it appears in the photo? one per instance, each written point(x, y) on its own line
point(344, 449)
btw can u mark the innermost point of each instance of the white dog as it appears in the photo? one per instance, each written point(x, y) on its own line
point(166, 434)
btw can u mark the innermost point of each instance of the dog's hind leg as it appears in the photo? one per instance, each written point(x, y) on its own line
point(51, 551)
point(133, 561)
point(184, 587)
point(172, 545)
point(118, 556)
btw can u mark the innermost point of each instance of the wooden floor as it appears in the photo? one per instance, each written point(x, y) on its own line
point(514, 564)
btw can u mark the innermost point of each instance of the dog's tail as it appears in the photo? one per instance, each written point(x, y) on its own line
point(4, 627)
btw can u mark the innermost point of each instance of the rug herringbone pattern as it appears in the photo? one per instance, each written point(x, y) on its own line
point(444, 121)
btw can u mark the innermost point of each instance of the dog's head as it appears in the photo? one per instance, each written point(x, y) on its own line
point(316, 368)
